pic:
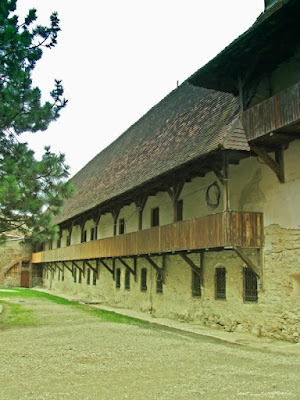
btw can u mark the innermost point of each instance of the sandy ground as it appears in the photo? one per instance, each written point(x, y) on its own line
point(73, 355)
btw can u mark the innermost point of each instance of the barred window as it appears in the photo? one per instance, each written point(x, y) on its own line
point(75, 274)
point(144, 279)
point(250, 285)
point(80, 276)
point(220, 283)
point(127, 279)
point(94, 277)
point(196, 284)
point(159, 282)
point(88, 277)
point(118, 278)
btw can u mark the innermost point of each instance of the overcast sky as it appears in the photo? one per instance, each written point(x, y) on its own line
point(119, 58)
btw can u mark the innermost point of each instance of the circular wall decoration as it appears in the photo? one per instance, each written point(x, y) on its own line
point(213, 194)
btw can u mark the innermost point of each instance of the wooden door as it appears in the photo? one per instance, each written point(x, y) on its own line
point(25, 279)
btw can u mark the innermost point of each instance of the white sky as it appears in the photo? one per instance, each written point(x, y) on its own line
point(119, 58)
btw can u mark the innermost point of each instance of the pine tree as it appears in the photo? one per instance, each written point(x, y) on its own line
point(31, 191)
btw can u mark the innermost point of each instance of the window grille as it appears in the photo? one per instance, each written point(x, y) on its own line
point(155, 217)
point(250, 286)
point(179, 207)
point(127, 279)
point(159, 282)
point(94, 278)
point(75, 274)
point(118, 278)
point(80, 276)
point(196, 285)
point(88, 276)
point(121, 226)
point(220, 283)
point(144, 279)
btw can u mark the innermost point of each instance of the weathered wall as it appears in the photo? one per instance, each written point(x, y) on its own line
point(254, 187)
point(10, 252)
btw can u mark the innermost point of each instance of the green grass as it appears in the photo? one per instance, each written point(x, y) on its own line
point(21, 317)
point(16, 315)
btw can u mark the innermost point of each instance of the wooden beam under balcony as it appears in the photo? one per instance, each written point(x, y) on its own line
point(274, 114)
point(223, 230)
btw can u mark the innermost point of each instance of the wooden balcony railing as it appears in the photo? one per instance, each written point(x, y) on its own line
point(273, 114)
point(227, 229)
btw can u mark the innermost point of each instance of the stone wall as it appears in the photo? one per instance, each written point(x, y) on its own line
point(10, 252)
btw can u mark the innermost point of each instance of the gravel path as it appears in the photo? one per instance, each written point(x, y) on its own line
point(73, 355)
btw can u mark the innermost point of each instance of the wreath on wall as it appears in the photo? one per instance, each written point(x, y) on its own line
point(213, 194)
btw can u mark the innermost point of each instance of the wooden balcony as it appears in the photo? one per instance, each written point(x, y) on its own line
point(278, 113)
point(227, 229)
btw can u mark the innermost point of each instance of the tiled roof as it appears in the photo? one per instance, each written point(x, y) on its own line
point(187, 124)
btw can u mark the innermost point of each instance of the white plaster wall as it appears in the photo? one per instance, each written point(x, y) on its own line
point(76, 235)
point(106, 226)
point(163, 201)
point(130, 214)
point(255, 187)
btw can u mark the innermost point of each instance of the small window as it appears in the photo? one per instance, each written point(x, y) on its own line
point(94, 233)
point(69, 240)
point(83, 236)
point(144, 279)
point(155, 217)
point(179, 206)
point(58, 244)
point(159, 282)
point(121, 226)
point(220, 283)
point(88, 277)
point(50, 244)
point(118, 278)
point(79, 276)
point(58, 274)
point(196, 284)
point(75, 274)
point(127, 279)
point(250, 286)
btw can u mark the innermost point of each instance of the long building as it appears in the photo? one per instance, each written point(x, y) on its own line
point(193, 213)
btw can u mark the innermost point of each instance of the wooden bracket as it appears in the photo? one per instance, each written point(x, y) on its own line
point(111, 270)
point(198, 270)
point(140, 202)
point(255, 268)
point(65, 265)
point(174, 193)
point(218, 174)
point(57, 266)
point(160, 270)
point(133, 271)
point(90, 266)
point(276, 165)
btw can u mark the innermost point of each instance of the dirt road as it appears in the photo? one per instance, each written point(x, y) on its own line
point(71, 354)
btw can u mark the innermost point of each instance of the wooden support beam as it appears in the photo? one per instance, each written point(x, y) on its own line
point(111, 270)
point(140, 202)
point(90, 266)
point(115, 211)
point(65, 265)
point(160, 270)
point(192, 265)
point(133, 271)
point(218, 173)
point(226, 193)
point(56, 265)
point(276, 165)
point(247, 261)
point(174, 192)
point(77, 266)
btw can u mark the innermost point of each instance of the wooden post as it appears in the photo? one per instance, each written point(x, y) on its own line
point(226, 193)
